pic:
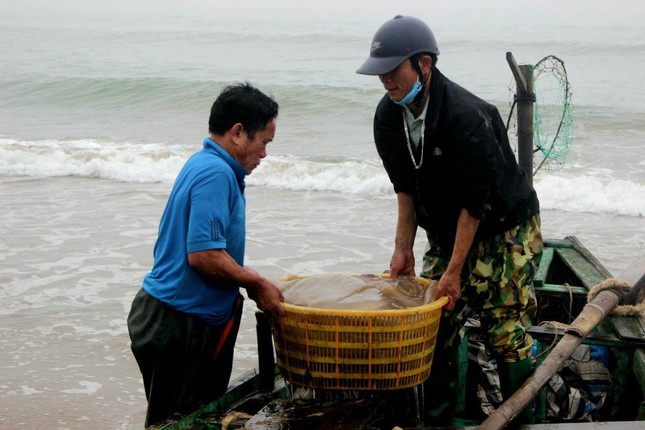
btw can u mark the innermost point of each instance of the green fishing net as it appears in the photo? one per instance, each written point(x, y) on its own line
point(552, 115)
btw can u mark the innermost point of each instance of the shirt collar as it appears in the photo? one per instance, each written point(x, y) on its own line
point(240, 172)
point(409, 116)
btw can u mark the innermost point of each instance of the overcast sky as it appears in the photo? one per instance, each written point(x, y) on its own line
point(568, 10)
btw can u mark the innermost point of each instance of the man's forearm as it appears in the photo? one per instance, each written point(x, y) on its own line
point(220, 267)
point(406, 226)
point(464, 237)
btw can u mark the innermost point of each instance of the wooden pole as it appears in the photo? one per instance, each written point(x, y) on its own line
point(266, 359)
point(525, 98)
point(635, 275)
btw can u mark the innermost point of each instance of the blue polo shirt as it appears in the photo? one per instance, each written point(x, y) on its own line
point(206, 210)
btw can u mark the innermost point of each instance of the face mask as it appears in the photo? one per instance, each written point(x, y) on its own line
point(411, 95)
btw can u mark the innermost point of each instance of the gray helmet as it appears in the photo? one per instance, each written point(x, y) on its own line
point(395, 41)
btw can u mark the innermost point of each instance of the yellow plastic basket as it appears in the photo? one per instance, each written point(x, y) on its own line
point(335, 349)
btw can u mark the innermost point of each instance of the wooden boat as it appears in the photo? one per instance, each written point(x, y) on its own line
point(262, 399)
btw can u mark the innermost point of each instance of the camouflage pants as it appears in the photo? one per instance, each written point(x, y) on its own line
point(496, 287)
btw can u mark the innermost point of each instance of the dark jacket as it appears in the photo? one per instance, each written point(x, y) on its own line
point(467, 163)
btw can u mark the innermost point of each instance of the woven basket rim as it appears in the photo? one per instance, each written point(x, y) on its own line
point(436, 304)
point(296, 309)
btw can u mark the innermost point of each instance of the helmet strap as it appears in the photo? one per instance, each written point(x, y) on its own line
point(415, 63)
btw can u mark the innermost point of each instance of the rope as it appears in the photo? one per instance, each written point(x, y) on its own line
point(623, 287)
point(607, 284)
point(555, 325)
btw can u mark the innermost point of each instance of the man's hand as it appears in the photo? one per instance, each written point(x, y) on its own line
point(267, 296)
point(449, 286)
point(402, 263)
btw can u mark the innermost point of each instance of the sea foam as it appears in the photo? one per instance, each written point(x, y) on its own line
point(594, 192)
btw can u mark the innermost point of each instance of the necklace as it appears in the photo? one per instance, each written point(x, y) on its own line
point(407, 138)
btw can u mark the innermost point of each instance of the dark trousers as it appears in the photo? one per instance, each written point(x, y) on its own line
point(185, 362)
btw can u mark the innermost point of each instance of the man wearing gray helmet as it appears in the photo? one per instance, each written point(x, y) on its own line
point(448, 157)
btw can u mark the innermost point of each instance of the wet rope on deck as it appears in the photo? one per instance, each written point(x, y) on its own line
point(616, 284)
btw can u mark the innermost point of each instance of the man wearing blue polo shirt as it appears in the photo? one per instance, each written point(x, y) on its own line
point(184, 320)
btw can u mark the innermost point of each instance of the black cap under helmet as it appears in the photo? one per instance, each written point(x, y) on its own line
point(395, 41)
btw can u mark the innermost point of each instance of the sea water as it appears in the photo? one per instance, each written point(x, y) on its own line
point(102, 102)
